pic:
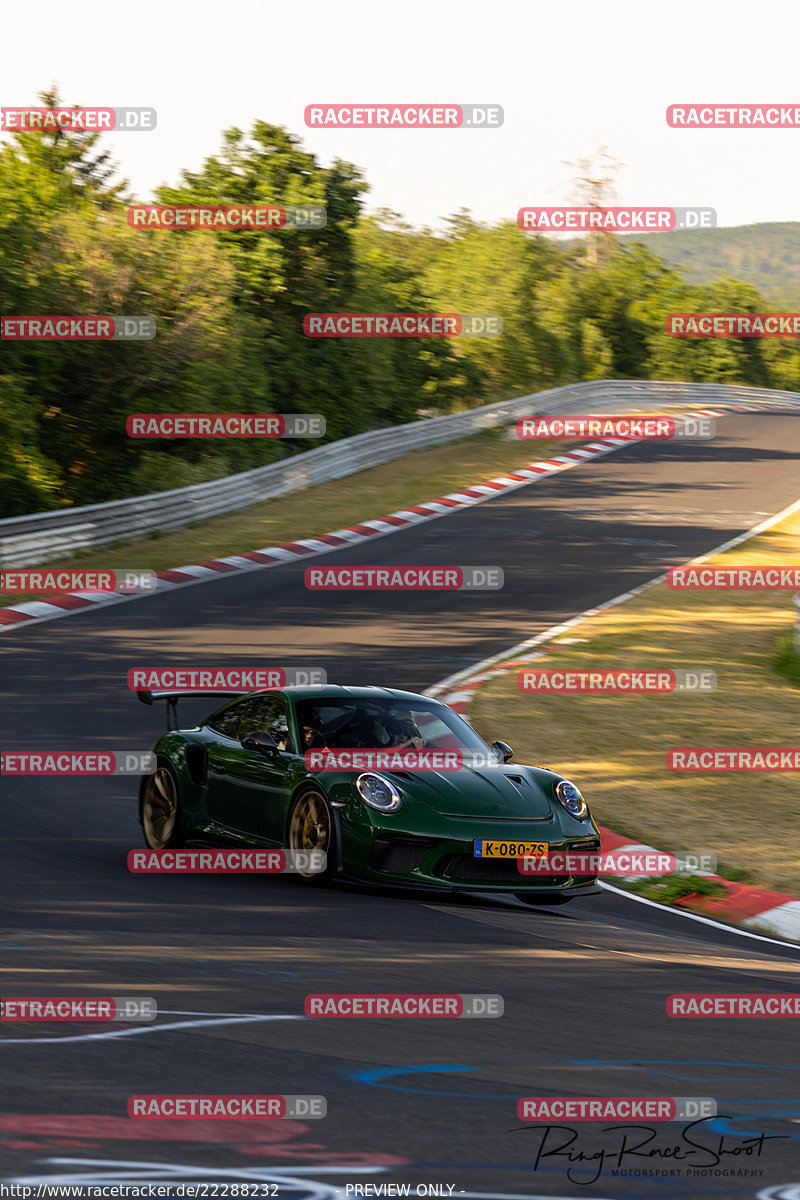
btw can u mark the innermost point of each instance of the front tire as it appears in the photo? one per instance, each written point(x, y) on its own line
point(311, 827)
point(160, 809)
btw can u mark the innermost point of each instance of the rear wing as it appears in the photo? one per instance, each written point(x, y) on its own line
point(172, 698)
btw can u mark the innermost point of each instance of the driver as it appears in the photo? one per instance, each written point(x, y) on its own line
point(309, 728)
point(403, 733)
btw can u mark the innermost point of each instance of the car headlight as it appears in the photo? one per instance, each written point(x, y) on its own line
point(378, 792)
point(570, 798)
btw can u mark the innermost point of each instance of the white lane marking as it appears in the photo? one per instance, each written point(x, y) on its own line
point(468, 673)
point(680, 912)
point(182, 1012)
point(110, 1034)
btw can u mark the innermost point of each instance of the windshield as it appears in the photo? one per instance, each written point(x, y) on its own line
point(367, 723)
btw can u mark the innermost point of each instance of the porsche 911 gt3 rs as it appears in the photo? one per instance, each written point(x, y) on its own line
point(241, 778)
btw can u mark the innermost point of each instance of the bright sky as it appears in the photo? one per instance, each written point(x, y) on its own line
point(571, 75)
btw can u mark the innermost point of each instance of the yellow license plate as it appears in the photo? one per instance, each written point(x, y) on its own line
point(511, 849)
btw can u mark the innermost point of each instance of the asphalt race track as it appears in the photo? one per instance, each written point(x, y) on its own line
point(230, 959)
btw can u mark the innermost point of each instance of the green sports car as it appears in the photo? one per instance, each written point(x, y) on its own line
point(240, 778)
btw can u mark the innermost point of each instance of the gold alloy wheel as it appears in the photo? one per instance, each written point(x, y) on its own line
point(160, 809)
point(310, 827)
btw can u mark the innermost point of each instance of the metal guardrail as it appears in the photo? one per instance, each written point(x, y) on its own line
point(42, 537)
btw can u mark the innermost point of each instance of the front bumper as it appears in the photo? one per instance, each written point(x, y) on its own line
point(397, 857)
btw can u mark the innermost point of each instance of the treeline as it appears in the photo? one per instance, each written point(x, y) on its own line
point(229, 307)
point(766, 255)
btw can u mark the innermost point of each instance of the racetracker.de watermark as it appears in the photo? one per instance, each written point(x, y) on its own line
point(227, 216)
point(403, 116)
point(382, 758)
point(619, 680)
point(615, 219)
point(404, 1004)
point(660, 429)
point(223, 679)
point(26, 583)
point(404, 579)
point(29, 118)
point(716, 759)
point(739, 1004)
point(615, 1108)
point(78, 1008)
point(733, 116)
point(47, 328)
point(402, 325)
point(226, 862)
point(733, 325)
point(77, 762)
point(226, 425)
point(644, 863)
point(734, 578)
point(231, 1108)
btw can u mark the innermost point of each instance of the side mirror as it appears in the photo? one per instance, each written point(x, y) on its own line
point(259, 739)
point(502, 752)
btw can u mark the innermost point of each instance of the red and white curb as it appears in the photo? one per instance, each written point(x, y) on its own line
point(742, 903)
point(63, 604)
point(758, 908)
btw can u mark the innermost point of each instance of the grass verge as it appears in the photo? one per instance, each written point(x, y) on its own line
point(669, 889)
point(614, 746)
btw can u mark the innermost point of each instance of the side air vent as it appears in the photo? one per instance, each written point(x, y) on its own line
point(196, 762)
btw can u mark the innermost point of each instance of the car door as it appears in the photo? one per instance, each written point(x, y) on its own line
point(247, 791)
